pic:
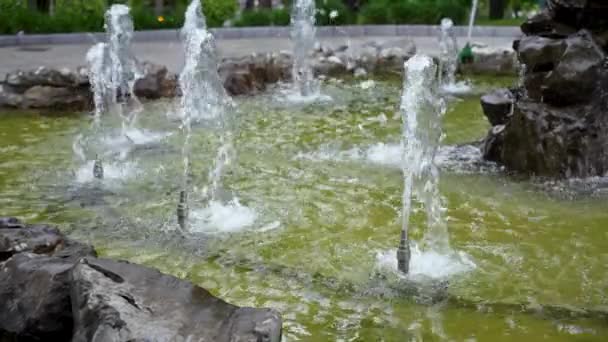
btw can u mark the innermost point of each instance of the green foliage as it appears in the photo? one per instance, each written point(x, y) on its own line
point(281, 17)
point(375, 13)
point(413, 11)
point(88, 15)
point(261, 17)
point(218, 11)
point(264, 17)
point(325, 9)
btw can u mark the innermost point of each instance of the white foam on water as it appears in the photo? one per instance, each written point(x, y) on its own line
point(458, 88)
point(221, 217)
point(427, 264)
point(111, 172)
point(451, 157)
point(289, 96)
point(132, 137)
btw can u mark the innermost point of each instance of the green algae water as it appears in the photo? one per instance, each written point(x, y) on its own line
point(325, 185)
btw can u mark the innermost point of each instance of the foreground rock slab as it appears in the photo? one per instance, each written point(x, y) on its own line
point(53, 288)
point(119, 301)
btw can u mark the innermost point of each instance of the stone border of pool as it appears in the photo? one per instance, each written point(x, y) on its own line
point(263, 32)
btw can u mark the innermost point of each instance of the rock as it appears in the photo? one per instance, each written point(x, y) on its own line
point(35, 298)
point(156, 83)
point(558, 127)
point(393, 54)
point(540, 54)
point(42, 76)
point(543, 25)
point(406, 45)
point(35, 263)
point(240, 82)
point(119, 301)
point(491, 61)
point(56, 98)
point(38, 239)
point(9, 97)
point(497, 106)
point(555, 142)
point(493, 143)
point(592, 14)
point(573, 78)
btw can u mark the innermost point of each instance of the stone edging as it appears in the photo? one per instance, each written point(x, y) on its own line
point(262, 32)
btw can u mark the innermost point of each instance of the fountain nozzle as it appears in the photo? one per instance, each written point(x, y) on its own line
point(404, 254)
point(182, 209)
point(98, 168)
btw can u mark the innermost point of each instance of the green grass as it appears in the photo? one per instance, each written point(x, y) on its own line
point(500, 22)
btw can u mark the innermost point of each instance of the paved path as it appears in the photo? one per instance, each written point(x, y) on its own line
point(169, 53)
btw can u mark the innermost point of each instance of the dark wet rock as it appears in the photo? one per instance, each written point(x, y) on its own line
point(573, 80)
point(493, 143)
point(157, 82)
point(252, 74)
point(497, 106)
point(240, 82)
point(35, 262)
point(559, 126)
point(119, 301)
point(35, 298)
point(540, 54)
point(18, 238)
point(557, 142)
point(48, 293)
point(56, 98)
point(591, 14)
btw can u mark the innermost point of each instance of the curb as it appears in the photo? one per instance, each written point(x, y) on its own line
point(263, 32)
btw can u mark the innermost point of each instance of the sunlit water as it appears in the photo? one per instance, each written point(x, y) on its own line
point(319, 228)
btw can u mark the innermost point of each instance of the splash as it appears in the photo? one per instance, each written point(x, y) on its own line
point(204, 100)
point(448, 58)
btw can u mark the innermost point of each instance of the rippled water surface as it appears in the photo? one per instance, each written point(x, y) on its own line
point(322, 188)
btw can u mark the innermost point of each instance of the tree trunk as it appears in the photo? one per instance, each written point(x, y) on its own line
point(249, 4)
point(158, 7)
point(497, 9)
point(265, 3)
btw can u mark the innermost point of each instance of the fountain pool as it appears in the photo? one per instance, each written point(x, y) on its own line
point(326, 202)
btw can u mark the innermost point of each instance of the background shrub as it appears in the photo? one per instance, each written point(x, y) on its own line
point(326, 7)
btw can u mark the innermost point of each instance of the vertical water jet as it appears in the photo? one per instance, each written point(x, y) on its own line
point(303, 33)
point(448, 52)
point(204, 100)
point(421, 111)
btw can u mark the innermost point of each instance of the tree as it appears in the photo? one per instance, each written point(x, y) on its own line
point(497, 9)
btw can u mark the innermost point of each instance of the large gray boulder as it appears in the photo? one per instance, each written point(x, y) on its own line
point(35, 298)
point(35, 264)
point(55, 289)
point(119, 301)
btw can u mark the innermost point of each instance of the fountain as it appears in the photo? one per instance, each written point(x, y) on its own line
point(448, 52)
point(448, 58)
point(421, 114)
point(466, 54)
point(303, 33)
point(204, 101)
point(113, 72)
